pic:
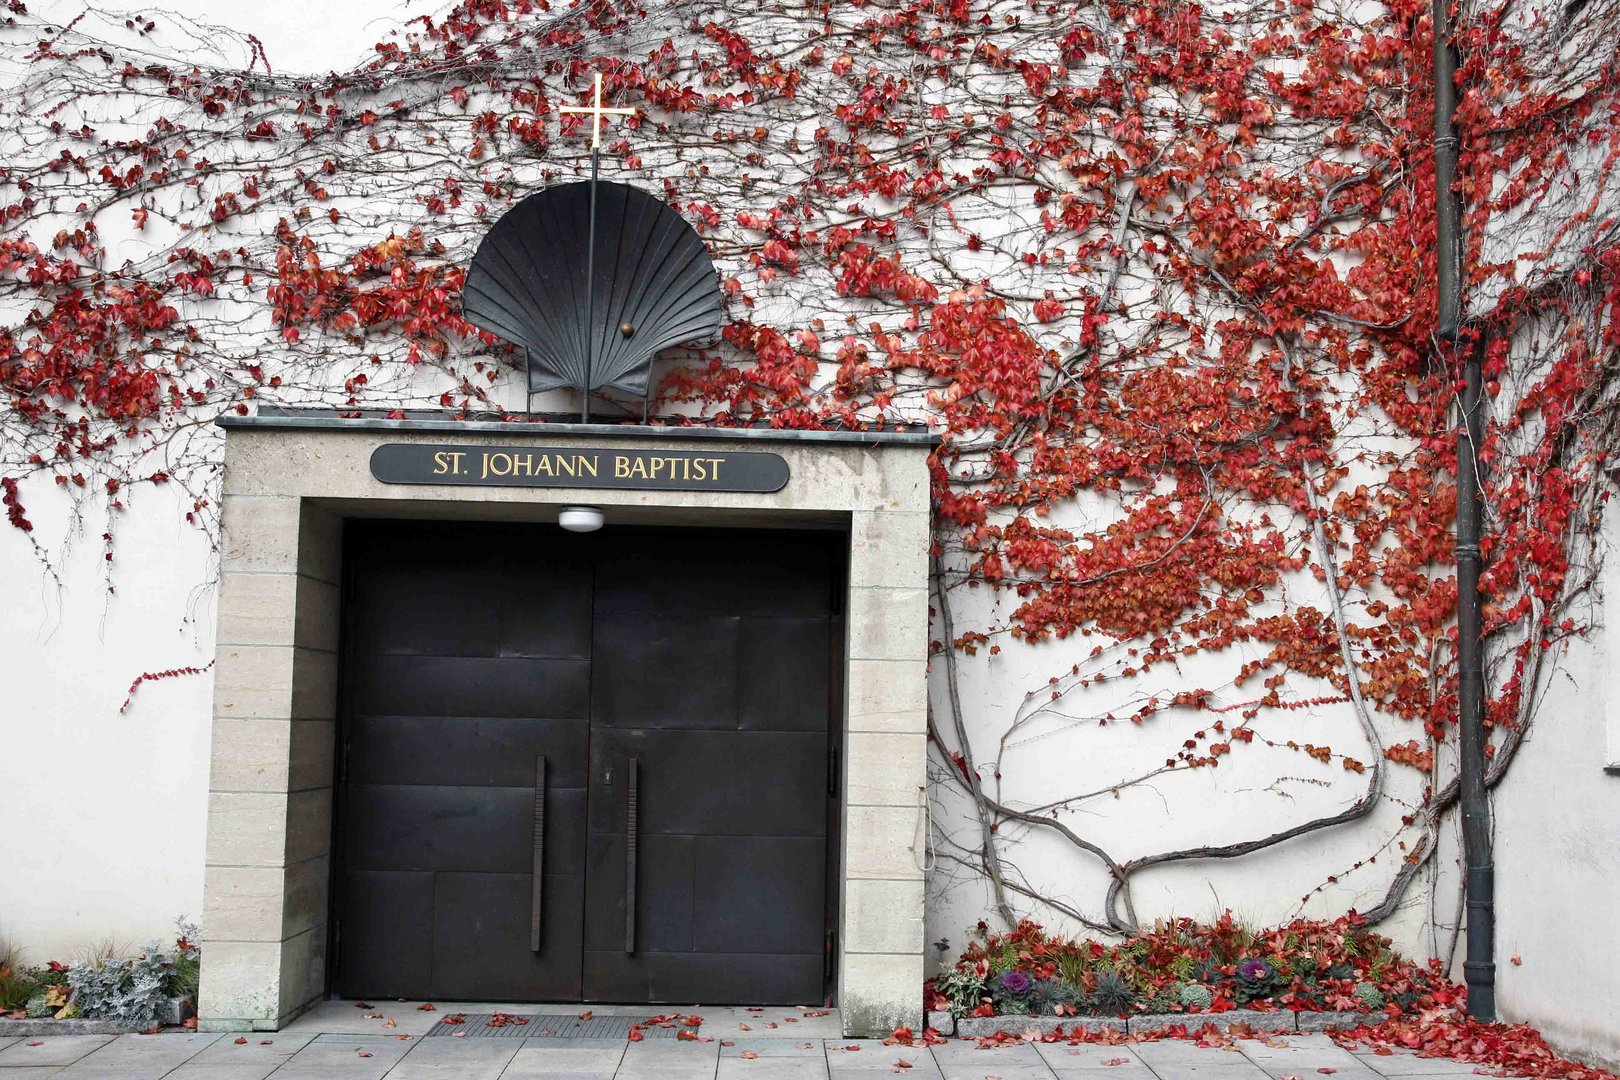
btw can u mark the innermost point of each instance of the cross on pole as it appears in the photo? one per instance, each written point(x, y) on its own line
point(596, 111)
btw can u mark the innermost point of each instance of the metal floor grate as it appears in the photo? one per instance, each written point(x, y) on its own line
point(545, 1026)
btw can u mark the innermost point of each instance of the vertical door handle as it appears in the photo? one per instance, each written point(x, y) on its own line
point(536, 897)
point(630, 857)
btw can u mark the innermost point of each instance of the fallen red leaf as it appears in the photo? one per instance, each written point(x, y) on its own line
point(426, 1006)
point(750, 1055)
point(241, 1040)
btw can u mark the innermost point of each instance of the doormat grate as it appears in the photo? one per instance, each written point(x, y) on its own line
point(544, 1026)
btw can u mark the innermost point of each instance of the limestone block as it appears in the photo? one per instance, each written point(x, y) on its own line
point(247, 828)
point(241, 983)
point(883, 916)
point(314, 685)
point(320, 544)
point(256, 608)
point(889, 549)
point(881, 991)
point(249, 754)
point(316, 623)
point(888, 624)
point(884, 769)
point(883, 842)
point(259, 533)
point(888, 695)
point(244, 903)
point(253, 681)
point(310, 754)
point(305, 896)
point(303, 970)
point(309, 824)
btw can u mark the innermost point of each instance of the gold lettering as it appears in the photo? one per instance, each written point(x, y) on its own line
point(716, 463)
point(455, 461)
point(621, 466)
point(700, 469)
point(565, 466)
point(440, 464)
point(587, 464)
point(547, 466)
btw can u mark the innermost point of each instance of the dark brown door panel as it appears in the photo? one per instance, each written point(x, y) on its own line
point(501, 687)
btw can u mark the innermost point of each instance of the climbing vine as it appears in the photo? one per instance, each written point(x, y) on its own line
point(1159, 273)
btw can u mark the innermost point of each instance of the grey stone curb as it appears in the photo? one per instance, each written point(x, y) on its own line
point(11, 1029)
point(1278, 1021)
point(174, 1012)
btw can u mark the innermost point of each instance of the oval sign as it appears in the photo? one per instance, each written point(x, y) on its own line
point(579, 467)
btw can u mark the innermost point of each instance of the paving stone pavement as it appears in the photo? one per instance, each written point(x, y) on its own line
point(743, 1048)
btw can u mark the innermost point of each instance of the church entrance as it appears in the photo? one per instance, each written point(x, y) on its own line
point(588, 768)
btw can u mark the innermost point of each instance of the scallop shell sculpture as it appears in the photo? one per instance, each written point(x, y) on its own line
point(654, 286)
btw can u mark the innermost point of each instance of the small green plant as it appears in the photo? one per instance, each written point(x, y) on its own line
point(1049, 996)
point(38, 1008)
point(185, 965)
point(962, 989)
point(1194, 996)
point(1072, 968)
point(16, 984)
point(132, 991)
point(1370, 997)
point(1011, 990)
point(1112, 995)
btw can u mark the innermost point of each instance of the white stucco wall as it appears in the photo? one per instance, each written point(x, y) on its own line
point(103, 812)
point(1557, 818)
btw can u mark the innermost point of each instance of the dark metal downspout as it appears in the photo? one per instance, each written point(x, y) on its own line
point(1479, 968)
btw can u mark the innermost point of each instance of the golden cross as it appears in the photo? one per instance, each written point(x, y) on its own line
point(596, 112)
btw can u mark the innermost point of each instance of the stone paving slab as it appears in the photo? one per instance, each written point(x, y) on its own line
point(1407, 1064)
point(1118, 1072)
point(463, 1059)
point(139, 1057)
point(1061, 1057)
point(56, 1050)
point(346, 1057)
point(307, 1055)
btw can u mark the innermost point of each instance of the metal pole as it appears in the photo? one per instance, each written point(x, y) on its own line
point(590, 295)
point(1479, 966)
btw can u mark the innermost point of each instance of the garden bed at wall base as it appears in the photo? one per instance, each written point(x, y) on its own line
point(1271, 1021)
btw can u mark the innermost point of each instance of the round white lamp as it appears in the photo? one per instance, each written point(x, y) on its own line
point(580, 519)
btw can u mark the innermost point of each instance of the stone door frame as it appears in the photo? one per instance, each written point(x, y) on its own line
point(292, 479)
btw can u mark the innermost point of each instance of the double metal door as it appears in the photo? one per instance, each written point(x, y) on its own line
point(586, 768)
